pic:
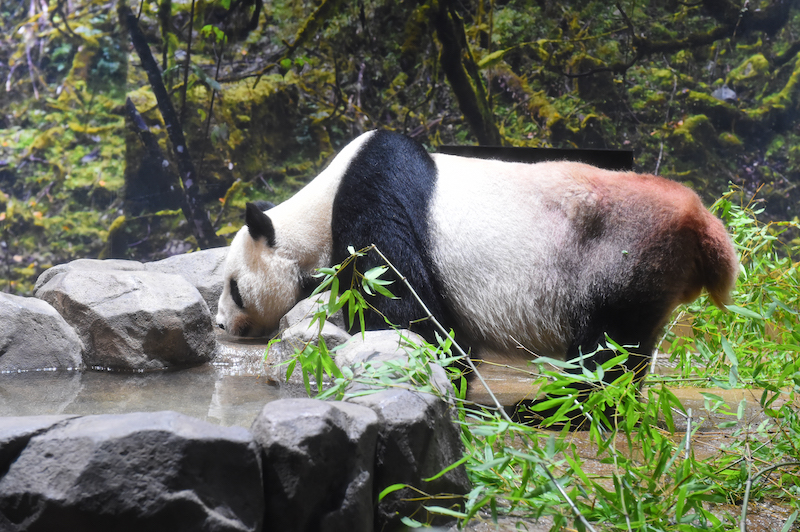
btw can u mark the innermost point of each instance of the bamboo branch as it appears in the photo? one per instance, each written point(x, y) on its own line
point(750, 480)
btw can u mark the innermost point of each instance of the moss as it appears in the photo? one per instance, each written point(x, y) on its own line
point(117, 241)
point(721, 114)
point(690, 140)
point(751, 76)
point(417, 25)
point(729, 140)
point(753, 67)
point(775, 105)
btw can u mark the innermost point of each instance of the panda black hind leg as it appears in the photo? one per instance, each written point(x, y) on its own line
point(631, 322)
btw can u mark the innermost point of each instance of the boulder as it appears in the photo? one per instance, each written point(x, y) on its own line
point(203, 269)
point(16, 432)
point(33, 336)
point(306, 308)
point(87, 264)
point(318, 465)
point(133, 319)
point(366, 353)
point(418, 438)
point(297, 337)
point(158, 472)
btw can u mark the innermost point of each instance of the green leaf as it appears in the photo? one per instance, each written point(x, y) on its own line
point(445, 511)
point(226, 230)
point(789, 522)
point(744, 312)
point(493, 58)
point(726, 346)
point(390, 489)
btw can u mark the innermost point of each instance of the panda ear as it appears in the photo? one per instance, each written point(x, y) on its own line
point(259, 224)
point(263, 205)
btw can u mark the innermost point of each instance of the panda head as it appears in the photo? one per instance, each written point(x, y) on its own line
point(260, 283)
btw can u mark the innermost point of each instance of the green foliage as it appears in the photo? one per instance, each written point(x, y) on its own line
point(756, 340)
point(264, 114)
point(316, 361)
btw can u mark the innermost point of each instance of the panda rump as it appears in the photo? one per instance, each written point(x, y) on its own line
point(551, 256)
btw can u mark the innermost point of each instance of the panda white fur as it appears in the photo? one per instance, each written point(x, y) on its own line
point(552, 255)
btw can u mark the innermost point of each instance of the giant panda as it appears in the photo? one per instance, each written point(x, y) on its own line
point(552, 256)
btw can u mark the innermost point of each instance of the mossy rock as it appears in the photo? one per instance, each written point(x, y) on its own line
point(722, 115)
point(751, 76)
point(693, 139)
point(729, 140)
point(255, 126)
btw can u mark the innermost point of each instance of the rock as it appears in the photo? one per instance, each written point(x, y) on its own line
point(16, 432)
point(33, 336)
point(364, 354)
point(203, 269)
point(306, 308)
point(724, 93)
point(87, 264)
point(417, 440)
point(297, 337)
point(133, 319)
point(318, 465)
point(158, 472)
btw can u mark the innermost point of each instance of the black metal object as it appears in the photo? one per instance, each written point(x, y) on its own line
point(608, 159)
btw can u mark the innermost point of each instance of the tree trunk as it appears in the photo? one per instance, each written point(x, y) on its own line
point(190, 203)
point(463, 76)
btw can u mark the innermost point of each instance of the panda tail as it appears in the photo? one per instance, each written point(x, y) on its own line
point(719, 263)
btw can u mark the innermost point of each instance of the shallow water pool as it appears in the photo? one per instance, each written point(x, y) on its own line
point(230, 391)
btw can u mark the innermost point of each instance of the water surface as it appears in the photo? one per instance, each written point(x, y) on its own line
point(230, 391)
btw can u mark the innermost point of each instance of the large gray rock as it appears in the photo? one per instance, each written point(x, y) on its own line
point(318, 465)
point(418, 439)
point(203, 269)
point(366, 354)
point(16, 432)
point(33, 336)
point(305, 309)
point(298, 336)
point(157, 472)
point(133, 319)
point(87, 264)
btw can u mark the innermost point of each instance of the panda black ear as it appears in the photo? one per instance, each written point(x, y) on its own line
point(263, 205)
point(259, 224)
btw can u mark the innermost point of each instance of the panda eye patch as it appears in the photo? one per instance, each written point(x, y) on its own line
point(235, 295)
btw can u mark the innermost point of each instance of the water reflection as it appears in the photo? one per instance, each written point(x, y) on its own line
point(208, 392)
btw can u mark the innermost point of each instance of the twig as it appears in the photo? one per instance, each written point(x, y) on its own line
point(572, 505)
point(443, 332)
point(664, 337)
point(688, 433)
point(750, 480)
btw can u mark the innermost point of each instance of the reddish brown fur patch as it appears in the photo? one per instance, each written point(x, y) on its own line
point(693, 243)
